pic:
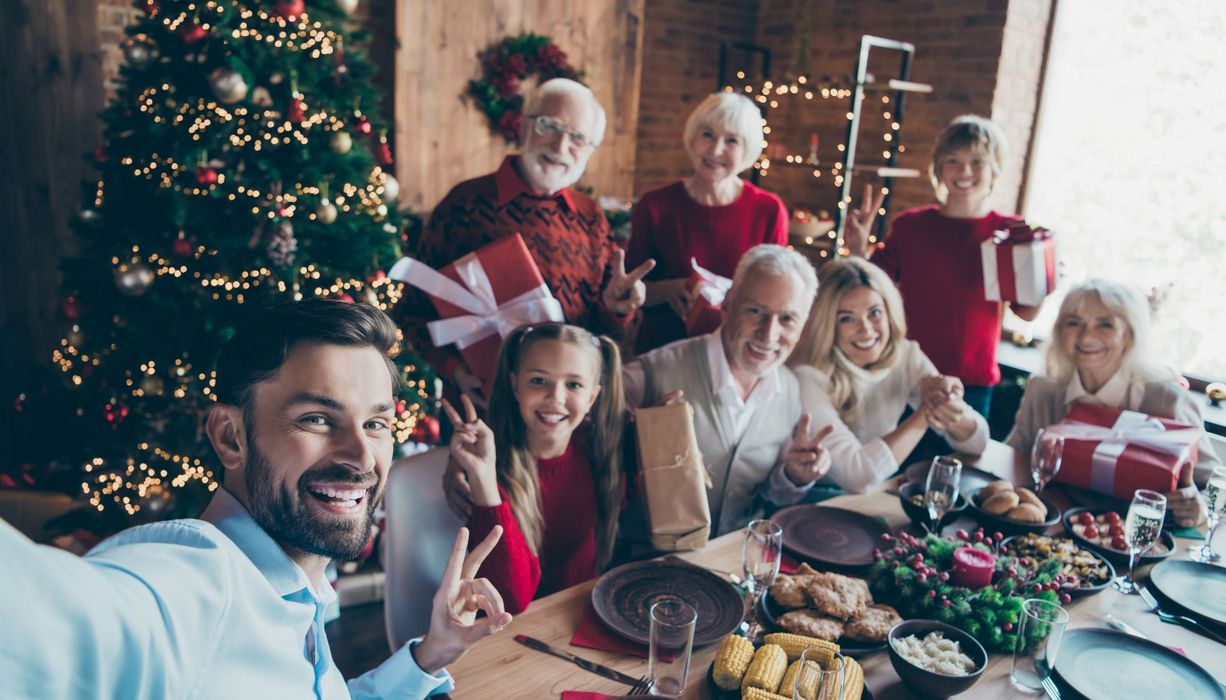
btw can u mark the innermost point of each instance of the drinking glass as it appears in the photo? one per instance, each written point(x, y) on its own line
point(760, 561)
point(941, 488)
point(1040, 630)
point(1045, 458)
point(820, 675)
point(1215, 503)
point(1141, 530)
point(672, 640)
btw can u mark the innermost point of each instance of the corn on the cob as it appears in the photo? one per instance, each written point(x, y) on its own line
point(788, 686)
point(795, 644)
point(759, 694)
point(853, 680)
point(766, 669)
point(731, 659)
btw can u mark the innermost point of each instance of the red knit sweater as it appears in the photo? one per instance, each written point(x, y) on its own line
point(670, 227)
point(936, 263)
point(568, 546)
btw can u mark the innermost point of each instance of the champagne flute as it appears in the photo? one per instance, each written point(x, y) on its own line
point(1141, 530)
point(760, 559)
point(1215, 502)
point(1045, 458)
point(941, 488)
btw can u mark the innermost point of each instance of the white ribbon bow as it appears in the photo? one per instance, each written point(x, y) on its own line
point(476, 296)
point(1131, 427)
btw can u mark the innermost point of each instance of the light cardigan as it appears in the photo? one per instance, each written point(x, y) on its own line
point(1047, 401)
point(860, 457)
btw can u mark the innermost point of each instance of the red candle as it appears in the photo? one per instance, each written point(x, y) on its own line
point(972, 568)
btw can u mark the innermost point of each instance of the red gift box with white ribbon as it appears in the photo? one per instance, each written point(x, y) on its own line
point(481, 298)
point(1019, 265)
point(709, 290)
point(1117, 452)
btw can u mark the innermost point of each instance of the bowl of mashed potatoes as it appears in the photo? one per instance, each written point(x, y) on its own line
point(935, 660)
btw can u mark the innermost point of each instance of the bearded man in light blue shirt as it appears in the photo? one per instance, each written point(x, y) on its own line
point(231, 605)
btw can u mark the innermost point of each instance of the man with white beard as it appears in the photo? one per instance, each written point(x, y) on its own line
point(565, 231)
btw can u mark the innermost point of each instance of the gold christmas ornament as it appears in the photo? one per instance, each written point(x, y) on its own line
point(260, 97)
point(1216, 391)
point(227, 85)
point(326, 212)
point(341, 142)
point(152, 385)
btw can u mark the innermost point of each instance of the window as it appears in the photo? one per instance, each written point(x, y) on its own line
point(1129, 163)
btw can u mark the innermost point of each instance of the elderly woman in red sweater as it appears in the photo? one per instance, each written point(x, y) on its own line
point(712, 216)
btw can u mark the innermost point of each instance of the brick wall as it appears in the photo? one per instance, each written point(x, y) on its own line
point(113, 16)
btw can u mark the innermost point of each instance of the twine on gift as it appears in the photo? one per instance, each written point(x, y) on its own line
point(679, 462)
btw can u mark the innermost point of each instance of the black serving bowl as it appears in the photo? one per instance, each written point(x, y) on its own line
point(992, 523)
point(1119, 557)
point(919, 514)
point(1083, 589)
point(928, 684)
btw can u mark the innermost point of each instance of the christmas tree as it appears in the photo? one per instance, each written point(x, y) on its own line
point(244, 164)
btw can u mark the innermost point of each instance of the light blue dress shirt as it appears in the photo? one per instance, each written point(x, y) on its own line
point(209, 608)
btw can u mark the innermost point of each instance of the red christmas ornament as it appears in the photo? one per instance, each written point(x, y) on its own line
point(384, 152)
point(191, 32)
point(182, 248)
point(114, 412)
point(426, 431)
point(289, 8)
point(379, 275)
point(206, 176)
point(70, 307)
point(364, 126)
point(400, 407)
point(295, 113)
point(346, 298)
point(100, 155)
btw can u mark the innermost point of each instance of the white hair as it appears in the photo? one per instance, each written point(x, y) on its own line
point(774, 260)
point(731, 112)
point(569, 88)
point(1120, 300)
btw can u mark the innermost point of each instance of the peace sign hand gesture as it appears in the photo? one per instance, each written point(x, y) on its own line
point(860, 222)
point(453, 624)
point(472, 451)
point(625, 292)
point(807, 461)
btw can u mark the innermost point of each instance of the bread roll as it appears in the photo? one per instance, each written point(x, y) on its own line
point(999, 503)
point(993, 488)
point(1028, 496)
point(1026, 513)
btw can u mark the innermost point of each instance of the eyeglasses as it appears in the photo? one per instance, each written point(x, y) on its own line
point(548, 126)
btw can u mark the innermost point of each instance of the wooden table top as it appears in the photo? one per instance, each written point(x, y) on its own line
point(499, 667)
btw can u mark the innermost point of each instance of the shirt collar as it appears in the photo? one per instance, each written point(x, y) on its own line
point(724, 384)
point(227, 514)
point(1119, 392)
point(510, 185)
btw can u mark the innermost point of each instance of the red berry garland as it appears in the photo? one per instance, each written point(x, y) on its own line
point(504, 66)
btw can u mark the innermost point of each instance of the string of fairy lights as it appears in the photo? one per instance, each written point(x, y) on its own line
point(152, 470)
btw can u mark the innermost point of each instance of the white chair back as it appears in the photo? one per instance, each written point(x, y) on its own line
point(417, 541)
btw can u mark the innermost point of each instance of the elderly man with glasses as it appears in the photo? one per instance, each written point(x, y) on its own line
point(565, 230)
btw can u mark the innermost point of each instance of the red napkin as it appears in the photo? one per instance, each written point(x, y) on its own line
point(592, 634)
point(787, 565)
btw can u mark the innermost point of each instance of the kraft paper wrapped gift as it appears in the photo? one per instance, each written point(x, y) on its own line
point(1019, 265)
point(675, 481)
point(709, 291)
point(481, 298)
point(1117, 452)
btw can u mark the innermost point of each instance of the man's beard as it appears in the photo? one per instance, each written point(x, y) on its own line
point(291, 522)
point(551, 181)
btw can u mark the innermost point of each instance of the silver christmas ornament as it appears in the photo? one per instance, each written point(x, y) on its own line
point(89, 216)
point(347, 6)
point(227, 85)
point(133, 279)
point(391, 188)
point(139, 52)
point(341, 142)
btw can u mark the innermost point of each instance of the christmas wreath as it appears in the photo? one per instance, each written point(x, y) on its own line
point(503, 67)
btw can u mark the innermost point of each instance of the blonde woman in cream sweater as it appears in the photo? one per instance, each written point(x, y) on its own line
point(858, 372)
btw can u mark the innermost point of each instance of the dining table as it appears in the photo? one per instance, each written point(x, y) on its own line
point(500, 667)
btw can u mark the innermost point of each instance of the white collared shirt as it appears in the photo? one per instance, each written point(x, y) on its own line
point(1120, 391)
point(724, 385)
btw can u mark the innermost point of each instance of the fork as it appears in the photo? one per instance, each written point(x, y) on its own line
point(1173, 619)
point(641, 687)
point(1049, 685)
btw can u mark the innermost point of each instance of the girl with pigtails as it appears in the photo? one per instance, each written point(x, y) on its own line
point(548, 467)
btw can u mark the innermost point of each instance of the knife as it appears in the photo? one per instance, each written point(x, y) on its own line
point(591, 666)
point(1116, 623)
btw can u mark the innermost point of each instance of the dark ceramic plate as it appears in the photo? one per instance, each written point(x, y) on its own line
point(1011, 527)
point(623, 598)
point(919, 514)
point(831, 536)
point(1084, 589)
point(769, 615)
point(973, 478)
point(1098, 663)
point(1116, 556)
point(718, 693)
point(1199, 589)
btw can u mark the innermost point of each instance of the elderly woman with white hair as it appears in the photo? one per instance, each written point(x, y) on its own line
point(1098, 353)
point(712, 216)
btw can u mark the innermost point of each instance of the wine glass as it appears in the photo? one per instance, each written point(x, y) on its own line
point(941, 488)
point(760, 561)
point(1141, 530)
point(1215, 503)
point(820, 675)
point(1045, 458)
